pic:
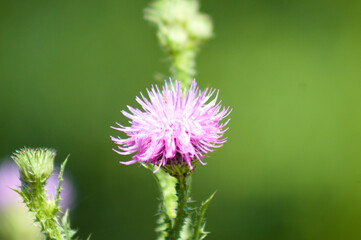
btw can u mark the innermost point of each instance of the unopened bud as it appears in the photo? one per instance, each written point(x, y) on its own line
point(172, 11)
point(35, 165)
point(200, 26)
point(177, 37)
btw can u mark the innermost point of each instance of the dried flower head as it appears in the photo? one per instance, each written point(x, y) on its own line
point(175, 126)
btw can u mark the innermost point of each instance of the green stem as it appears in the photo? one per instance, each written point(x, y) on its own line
point(183, 66)
point(198, 227)
point(44, 211)
point(181, 188)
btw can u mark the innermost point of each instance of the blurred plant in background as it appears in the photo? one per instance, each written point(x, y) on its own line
point(17, 221)
point(14, 213)
point(181, 29)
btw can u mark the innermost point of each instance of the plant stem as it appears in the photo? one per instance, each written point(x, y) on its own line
point(181, 188)
point(36, 200)
point(183, 66)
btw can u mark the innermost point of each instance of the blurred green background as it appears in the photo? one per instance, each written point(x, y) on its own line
point(291, 71)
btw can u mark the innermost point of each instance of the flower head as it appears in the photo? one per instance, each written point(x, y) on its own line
point(175, 126)
point(35, 165)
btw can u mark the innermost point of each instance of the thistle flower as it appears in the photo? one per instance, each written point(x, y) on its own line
point(175, 126)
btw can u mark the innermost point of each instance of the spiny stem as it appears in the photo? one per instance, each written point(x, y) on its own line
point(41, 208)
point(181, 189)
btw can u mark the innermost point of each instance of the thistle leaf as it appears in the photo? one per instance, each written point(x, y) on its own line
point(199, 232)
point(187, 230)
point(26, 200)
point(67, 232)
point(61, 173)
point(168, 205)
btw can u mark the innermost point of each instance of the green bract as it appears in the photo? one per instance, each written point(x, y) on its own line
point(35, 165)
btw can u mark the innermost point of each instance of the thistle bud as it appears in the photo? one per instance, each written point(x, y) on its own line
point(35, 165)
point(172, 11)
point(200, 26)
point(177, 37)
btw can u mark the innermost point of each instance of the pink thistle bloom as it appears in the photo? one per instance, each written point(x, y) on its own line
point(175, 126)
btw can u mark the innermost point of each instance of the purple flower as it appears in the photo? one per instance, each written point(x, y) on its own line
point(174, 127)
point(10, 178)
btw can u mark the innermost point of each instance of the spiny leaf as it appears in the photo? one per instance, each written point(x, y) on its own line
point(163, 224)
point(26, 200)
point(168, 205)
point(199, 232)
point(61, 173)
point(67, 232)
point(187, 230)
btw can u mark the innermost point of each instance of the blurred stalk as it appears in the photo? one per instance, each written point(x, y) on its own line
point(35, 167)
point(181, 29)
